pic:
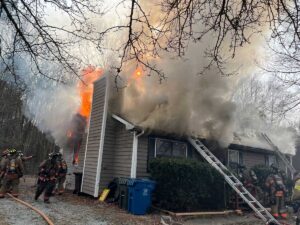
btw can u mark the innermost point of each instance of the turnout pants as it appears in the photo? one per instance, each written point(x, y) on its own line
point(10, 183)
point(60, 184)
point(278, 206)
point(45, 186)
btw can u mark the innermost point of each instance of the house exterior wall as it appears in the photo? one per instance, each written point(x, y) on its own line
point(107, 170)
point(251, 159)
point(93, 147)
point(142, 158)
point(123, 152)
point(117, 152)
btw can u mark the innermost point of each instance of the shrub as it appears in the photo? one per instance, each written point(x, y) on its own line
point(186, 185)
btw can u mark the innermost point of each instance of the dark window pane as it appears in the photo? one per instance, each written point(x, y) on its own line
point(179, 149)
point(233, 156)
point(163, 147)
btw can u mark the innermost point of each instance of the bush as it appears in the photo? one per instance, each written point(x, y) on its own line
point(186, 185)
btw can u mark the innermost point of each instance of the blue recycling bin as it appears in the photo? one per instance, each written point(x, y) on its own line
point(139, 195)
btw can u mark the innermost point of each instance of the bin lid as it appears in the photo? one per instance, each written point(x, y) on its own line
point(77, 173)
point(132, 182)
point(123, 180)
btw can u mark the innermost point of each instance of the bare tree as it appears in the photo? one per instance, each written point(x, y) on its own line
point(230, 24)
point(27, 31)
point(269, 100)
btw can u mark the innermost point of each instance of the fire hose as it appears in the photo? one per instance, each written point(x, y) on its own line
point(46, 218)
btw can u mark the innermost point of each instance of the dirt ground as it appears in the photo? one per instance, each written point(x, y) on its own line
point(65, 210)
point(78, 210)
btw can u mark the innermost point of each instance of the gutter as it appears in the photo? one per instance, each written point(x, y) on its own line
point(136, 136)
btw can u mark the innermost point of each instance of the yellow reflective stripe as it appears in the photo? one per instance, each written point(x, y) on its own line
point(297, 187)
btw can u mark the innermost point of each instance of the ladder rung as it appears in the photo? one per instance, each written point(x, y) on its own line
point(262, 211)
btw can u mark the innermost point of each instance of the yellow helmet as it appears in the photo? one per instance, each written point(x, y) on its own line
point(12, 151)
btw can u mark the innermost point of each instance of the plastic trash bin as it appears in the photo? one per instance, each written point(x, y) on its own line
point(140, 194)
point(123, 192)
point(78, 181)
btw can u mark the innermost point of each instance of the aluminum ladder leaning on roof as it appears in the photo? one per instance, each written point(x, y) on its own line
point(280, 154)
point(234, 182)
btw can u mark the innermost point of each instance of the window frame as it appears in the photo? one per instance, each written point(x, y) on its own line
point(172, 141)
point(228, 158)
point(268, 156)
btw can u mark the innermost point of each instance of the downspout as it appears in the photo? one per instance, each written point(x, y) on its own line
point(134, 152)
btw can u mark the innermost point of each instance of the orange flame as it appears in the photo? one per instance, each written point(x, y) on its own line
point(138, 73)
point(90, 75)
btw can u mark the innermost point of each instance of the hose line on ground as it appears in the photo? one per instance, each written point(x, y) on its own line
point(33, 208)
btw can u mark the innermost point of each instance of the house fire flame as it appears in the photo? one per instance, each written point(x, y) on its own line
point(80, 119)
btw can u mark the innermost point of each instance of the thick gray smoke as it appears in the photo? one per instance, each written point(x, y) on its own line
point(52, 108)
point(185, 103)
point(254, 116)
point(190, 104)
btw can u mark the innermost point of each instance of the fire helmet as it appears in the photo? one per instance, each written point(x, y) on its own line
point(12, 151)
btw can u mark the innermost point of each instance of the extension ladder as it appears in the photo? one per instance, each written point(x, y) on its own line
point(233, 181)
point(280, 154)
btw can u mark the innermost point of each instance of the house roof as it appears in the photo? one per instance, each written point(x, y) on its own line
point(128, 125)
point(251, 141)
point(255, 142)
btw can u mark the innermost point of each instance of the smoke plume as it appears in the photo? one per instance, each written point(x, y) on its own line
point(52, 110)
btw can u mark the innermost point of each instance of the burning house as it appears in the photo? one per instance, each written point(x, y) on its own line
point(110, 146)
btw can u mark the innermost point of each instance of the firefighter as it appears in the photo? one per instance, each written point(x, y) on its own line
point(12, 169)
point(277, 191)
point(24, 158)
point(62, 173)
point(296, 188)
point(48, 171)
point(3, 157)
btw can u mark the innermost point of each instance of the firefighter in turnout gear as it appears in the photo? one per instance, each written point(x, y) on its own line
point(47, 177)
point(3, 156)
point(62, 173)
point(11, 169)
point(296, 189)
point(277, 192)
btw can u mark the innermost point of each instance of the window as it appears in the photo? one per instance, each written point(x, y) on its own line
point(271, 159)
point(170, 148)
point(235, 158)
